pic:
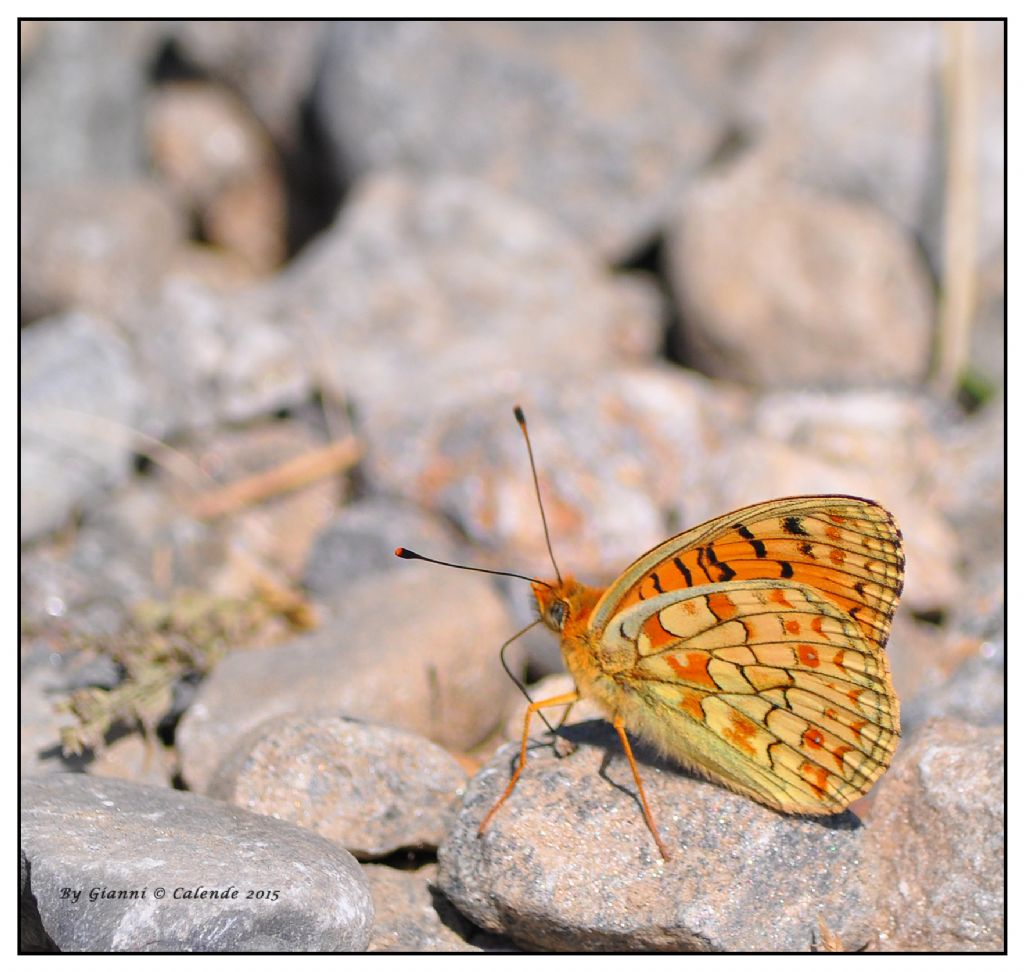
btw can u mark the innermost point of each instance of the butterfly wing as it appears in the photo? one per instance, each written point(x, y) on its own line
point(846, 548)
point(766, 686)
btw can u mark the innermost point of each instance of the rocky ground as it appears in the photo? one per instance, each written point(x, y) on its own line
point(282, 284)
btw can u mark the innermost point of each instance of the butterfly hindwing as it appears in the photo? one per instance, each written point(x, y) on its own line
point(766, 685)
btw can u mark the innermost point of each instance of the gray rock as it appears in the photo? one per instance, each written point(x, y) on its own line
point(602, 123)
point(935, 842)
point(424, 288)
point(83, 835)
point(97, 246)
point(416, 650)
point(851, 107)
point(91, 586)
point(974, 693)
point(373, 789)
point(411, 915)
point(271, 63)
point(812, 78)
point(80, 396)
point(970, 484)
point(568, 863)
point(361, 539)
point(208, 358)
point(782, 287)
point(82, 90)
point(618, 460)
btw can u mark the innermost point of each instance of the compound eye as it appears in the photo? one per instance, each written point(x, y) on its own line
point(558, 614)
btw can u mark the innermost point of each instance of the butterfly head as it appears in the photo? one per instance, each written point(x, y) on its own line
point(563, 603)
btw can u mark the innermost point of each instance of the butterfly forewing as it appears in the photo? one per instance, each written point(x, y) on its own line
point(846, 548)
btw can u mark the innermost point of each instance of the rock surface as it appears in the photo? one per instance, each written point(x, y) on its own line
point(372, 789)
point(411, 915)
point(415, 651)
point(569, 865)
point(80, 397)
point(780, 288)
point(936, 842)
point(137, 856)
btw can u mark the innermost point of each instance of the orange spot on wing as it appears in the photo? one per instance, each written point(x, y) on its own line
point(656, 633)
point(816, 628)
point(812, 738)
point(721, 606)
point(837, 659)
point(837, 556)
point(817, 776)
point(740, 731)
point(836, 518)
point(854, 695)
point(832, 533)
point(647, 588)
point(793, 627)
point(779, 597)
point(857, 725)
point(808, 656)
point(690, 703)
point(695, 670)
point(839, 752)
point(689, 607)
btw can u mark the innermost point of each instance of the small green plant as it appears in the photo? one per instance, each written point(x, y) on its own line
point(162, 644)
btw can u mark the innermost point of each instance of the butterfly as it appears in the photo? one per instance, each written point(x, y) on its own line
point(749, 649)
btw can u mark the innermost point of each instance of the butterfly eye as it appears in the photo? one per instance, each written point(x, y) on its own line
point(557, 613)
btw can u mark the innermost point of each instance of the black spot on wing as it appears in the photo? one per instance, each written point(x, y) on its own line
point(725, 571)
point(758, 546)
point(702, 555)
point(684, 571)
point(793, 525)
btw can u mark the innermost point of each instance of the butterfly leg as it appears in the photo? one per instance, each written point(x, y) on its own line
point(568, 699)
point(565, 715)
point(621, 730)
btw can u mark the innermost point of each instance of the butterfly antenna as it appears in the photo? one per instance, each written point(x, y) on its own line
point(511, 675)
point(407, 554)
point(521, 419)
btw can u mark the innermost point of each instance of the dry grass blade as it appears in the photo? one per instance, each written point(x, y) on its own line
point(291, 475)
point(960, 208)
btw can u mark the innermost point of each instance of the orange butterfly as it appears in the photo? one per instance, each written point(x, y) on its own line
point(750, 649)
